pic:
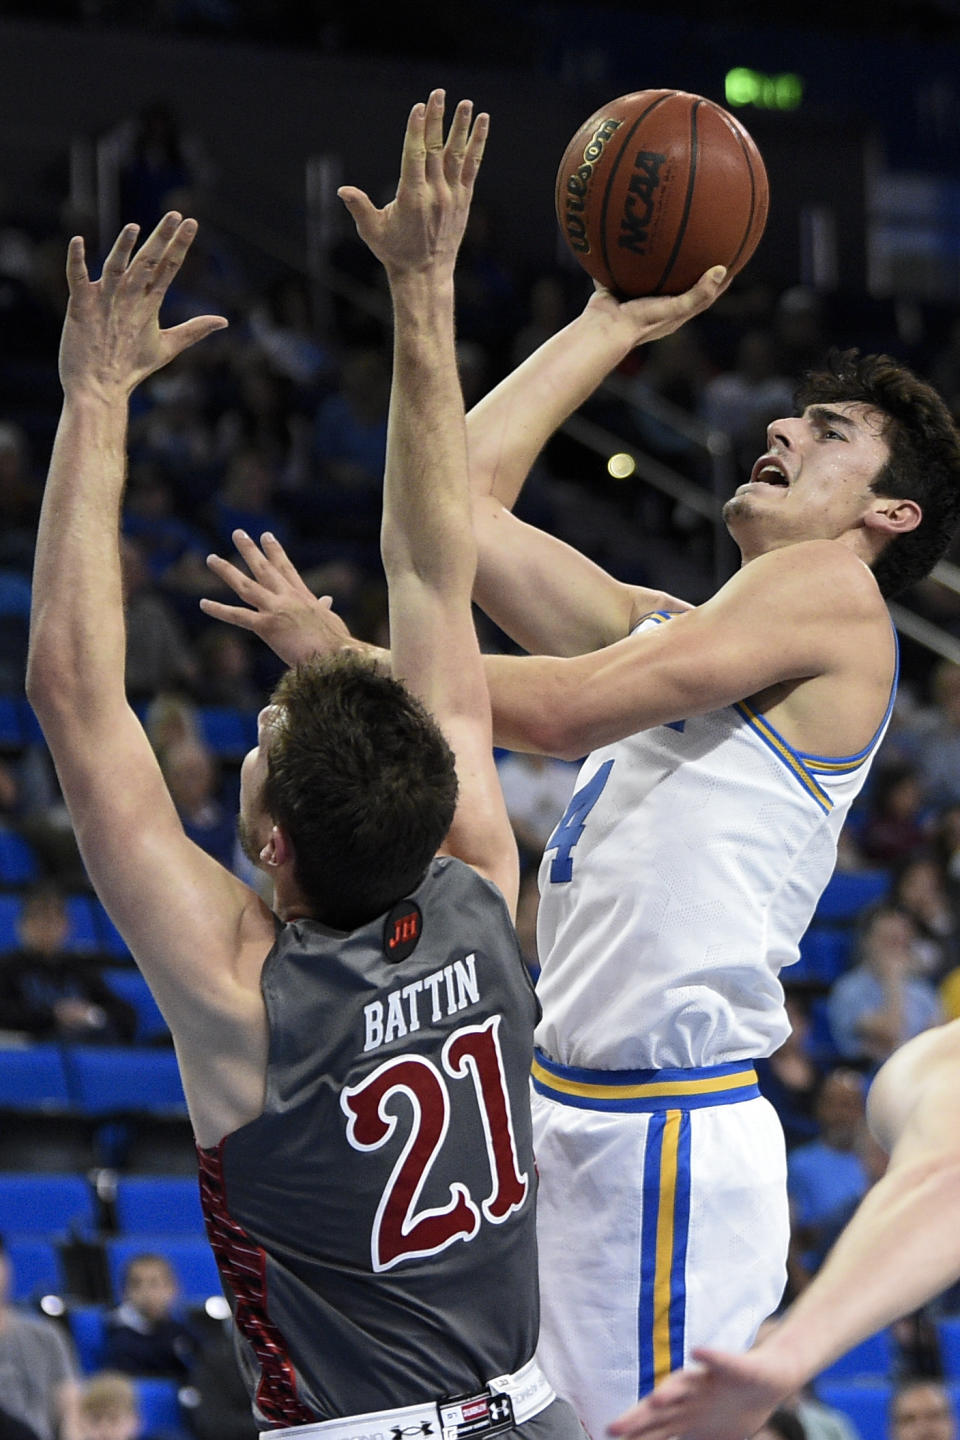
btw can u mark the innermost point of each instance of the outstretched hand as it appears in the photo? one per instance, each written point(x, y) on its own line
point(423, 226)
point(278, 605)
point(653, 316)
point(721, 1397)
point(111, 335)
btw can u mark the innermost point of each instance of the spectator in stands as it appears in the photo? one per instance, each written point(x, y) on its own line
point(937, 737)
point(828, 1177)
point(790, 1078)
point(215, 1402)
point(922, 1410)
point(226, 670)
point(192, 775)
point(38, 1373)
point(51, 994)
point(144, 1334)
point(894, 825)
point(108, 1408)
point(920, 887)
point(159, 654)
point(741, 401)
point(882, 1001)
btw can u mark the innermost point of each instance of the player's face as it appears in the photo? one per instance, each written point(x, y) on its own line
point(814, 480)
point(253, 822)
point(923, 1412)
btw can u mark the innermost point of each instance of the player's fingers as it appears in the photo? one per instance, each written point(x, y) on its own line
point(456, 144)
point(76, 262)
point(475, 148)
point(176, 251)
point(359, 204)
point(260, 566)
point(282, 563)
point(231, 614)
point(119, 257)
point(414, 143)
point(181, 337)
point(433, 132)
point(242, 585)
point(148, 259)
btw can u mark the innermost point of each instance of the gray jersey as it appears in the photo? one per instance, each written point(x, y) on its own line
point(374, 1227)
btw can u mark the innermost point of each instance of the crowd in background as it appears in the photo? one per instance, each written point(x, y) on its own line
point(279, 424)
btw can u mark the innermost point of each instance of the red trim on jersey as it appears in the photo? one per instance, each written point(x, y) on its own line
point(242, 1266)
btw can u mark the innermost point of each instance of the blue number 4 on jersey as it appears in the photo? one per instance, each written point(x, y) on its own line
point(568, 832)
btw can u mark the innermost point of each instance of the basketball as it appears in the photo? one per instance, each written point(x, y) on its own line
point(658, 186)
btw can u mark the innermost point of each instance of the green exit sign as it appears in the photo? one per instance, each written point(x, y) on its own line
point(766, 92)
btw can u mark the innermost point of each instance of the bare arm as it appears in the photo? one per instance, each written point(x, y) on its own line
point(171, 902)
point(427, 541)
point(900, 1250)
point(543, 593)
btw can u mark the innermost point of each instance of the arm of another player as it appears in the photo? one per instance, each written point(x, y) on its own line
point(773, 621)
point(899, 1251)
point(545, 594)
point(427, 541)
point(171, 902)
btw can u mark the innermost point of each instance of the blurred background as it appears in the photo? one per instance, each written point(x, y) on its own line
point(248, 116)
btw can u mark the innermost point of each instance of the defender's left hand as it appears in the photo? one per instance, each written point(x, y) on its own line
point(111, 335)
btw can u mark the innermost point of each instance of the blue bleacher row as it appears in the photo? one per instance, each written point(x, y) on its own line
point(229, 733)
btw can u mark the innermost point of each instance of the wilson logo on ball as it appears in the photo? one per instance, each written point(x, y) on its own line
point(578, 186)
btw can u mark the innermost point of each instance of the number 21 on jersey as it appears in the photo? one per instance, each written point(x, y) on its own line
point(571, 827)
point(400, 1230)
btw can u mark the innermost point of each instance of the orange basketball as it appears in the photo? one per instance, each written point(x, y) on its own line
point(658, 186)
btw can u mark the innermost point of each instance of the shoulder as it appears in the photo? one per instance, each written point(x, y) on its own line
point(817, 572)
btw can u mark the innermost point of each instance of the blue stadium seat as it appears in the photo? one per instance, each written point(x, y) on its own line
point(18, 863)
point(159, 1407)
point(160, 1204)
point(849, 892)
point(825, 952)
point(191, 1258)
point(124, 1080)
point(948, 1333)
point(87, 1326)
point(865, 1403)
point(131, 986)
point(32, 1077)
point(10, 907)
point(872, 1359)
point(35, 1267)
point(84, 933)
point(45, 1205)
point(229, 733)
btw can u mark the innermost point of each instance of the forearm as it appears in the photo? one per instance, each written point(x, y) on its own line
point(426, 528)
point(900, 1250)
point(76, 631)
point(509, 427)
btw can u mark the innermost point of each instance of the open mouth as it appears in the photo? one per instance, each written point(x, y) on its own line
point(769, 472)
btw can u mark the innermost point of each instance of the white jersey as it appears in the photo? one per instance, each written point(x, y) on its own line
point(679, 882)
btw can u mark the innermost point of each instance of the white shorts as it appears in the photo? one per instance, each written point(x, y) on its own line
point(662, 1224)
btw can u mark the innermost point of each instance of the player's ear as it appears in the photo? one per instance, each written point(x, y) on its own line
point(278, 849)
point(892, 516)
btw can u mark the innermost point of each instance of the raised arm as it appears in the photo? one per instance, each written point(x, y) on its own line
point(546, 595)
point(427, 542)
point(900, 1250)
point(185, 918)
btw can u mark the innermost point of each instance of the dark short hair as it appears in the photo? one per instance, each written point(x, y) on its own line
point(924, 463)
point(362, 780)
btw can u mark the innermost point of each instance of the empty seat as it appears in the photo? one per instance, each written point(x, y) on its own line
point(229, 733)
point(159, 1407)
point(191, 1258)
point(948, 1333)
point(124, 1080)
point(873, 1358)
point(866, 1403)
point(848, 892)
point(131, 986)
point(156, 1204)
point(45, 1204)
point(33, 1077)
point(18, 863)
point(87, 1326)
point(34, 1266)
